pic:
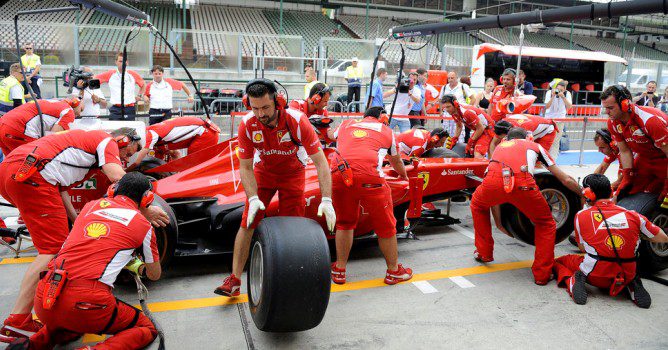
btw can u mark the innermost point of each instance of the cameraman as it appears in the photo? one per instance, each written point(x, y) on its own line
point(648, 98)
point(407, 96)
point(91, 99)
point(558, 101)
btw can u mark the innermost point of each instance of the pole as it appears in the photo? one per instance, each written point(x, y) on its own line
point(280, 19)
point(183, 5)
point(582, 142)
point(626, 22)
point(77, 60)
point(366, 21)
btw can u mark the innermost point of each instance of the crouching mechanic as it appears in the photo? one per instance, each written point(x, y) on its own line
point(543, 131)
point(101, 243)
point(21, 125)
point(609, 236)
point(643, 131)
point(274, 142)
point(192, 133)
point(360, 186)
point(35, 178)
point(416, 142)
point(315, 108)
point(473, 118)
point(509, 179)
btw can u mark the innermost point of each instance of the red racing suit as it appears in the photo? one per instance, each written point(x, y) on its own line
point(499, 93)
point(302, 106)
point(543, 130)
point(599, 262)
point(520, 156)
point(101, 243)
point(472, 116)
point(66, 159)
point(644, 133)
point(414, 142)
point(279, 156)
point(21, 125)
point(192, 133)
point(363, 145)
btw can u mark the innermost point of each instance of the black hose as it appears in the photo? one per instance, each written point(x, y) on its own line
point(373, 73)
point(123, 67)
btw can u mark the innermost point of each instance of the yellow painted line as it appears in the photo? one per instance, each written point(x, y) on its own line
point(92, 338)
point(25, 260)
point(367, 284)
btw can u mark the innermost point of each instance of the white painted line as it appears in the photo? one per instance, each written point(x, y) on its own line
point(462, 282)
point(463, 231)
point(425, 287)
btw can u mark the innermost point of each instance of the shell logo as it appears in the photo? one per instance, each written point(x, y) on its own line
point(360, 133)
point(96, 230)
point(506, 143)
point(619, 241)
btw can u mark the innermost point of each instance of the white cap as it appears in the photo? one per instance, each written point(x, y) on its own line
point(355, 59)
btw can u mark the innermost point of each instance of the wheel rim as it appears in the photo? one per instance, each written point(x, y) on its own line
point(256, 273)
point(660, 249)
point(558, 204)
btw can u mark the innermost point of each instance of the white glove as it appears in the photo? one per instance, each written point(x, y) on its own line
point(254, 204)
point(327, 208)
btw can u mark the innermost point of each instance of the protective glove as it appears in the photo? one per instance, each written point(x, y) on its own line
point(469, 147)
point(450, 143)
point(664, 195)
point(134, 265)
point(627, 180)
point(327, 208)
point(254, 205)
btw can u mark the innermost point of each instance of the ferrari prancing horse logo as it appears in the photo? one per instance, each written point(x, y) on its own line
point(424, 176)
point(598, 217)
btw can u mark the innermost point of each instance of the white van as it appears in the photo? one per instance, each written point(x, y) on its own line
point(338, 68)
point(640, 77)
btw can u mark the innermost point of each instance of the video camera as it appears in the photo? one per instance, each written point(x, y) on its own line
point(72, 77)
point(404, 86)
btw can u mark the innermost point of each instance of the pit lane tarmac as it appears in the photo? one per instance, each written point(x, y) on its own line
point(453, 302)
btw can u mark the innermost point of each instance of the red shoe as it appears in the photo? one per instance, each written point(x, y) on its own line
point(480, 258)
point(230, 287)
point(402, 274)
point(19, 326)
point(9, 240)
point(428, 206)
point(338, 274)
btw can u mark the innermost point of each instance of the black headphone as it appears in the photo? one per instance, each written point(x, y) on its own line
point(279, 99)
point(605, 135)
point(502, 127)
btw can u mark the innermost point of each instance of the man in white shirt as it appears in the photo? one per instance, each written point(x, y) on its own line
point(464, 95)
point(113, 78)
point(160, 94)
point(558, 101)
point(403, 105)
point(92, 99)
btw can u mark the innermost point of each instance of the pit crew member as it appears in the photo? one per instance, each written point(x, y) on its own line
point(100, 245)
point(605, 144)
point(543, 131)
point(475, 119)
point(274, 142)
point(509, 179)
point(315, 108)
point(160, 93)
point(192, 133)
point(609, 236)
point(416, 142)
point(21, 125)
point(362, 147)
point(35, 178)
point(502, 92)
point(643, 131)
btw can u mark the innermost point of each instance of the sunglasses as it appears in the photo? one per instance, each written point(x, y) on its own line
point(28, 48)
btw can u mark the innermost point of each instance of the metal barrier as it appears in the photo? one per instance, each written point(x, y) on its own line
point(335, 103)
point(359, 104)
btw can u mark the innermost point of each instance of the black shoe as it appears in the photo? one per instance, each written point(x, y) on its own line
point(571, 239)
point(19, 344)
point(578, 290)
point(639, 294)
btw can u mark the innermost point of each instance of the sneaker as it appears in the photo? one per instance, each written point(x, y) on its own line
point(480, 258)
point(230, 287)
point(19, 344)
point(576, 287)
point(19, 326)
point(338, 274)
point(639, 294)
point(402, 274)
